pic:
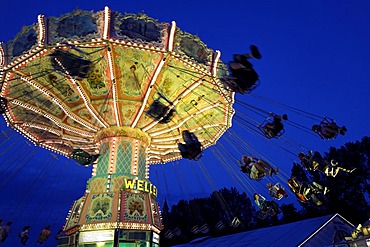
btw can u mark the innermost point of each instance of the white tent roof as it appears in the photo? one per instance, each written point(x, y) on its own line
point(312, 232)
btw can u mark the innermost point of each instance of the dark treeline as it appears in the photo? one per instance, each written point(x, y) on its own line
point(228, 211)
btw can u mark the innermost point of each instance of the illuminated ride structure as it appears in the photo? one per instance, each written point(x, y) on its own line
point(115, 91)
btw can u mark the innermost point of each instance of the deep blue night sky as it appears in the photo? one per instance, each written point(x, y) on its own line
point(316, 58)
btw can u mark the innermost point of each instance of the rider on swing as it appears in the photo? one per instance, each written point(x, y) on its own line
point(243, 77)
point(256, 168)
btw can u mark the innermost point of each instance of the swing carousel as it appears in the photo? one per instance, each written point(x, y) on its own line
point(115, 91)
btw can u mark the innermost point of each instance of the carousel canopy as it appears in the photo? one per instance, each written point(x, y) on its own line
point(66, 78)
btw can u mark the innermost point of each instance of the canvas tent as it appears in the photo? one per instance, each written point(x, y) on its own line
point(322, 231)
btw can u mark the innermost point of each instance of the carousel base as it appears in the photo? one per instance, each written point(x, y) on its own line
point(110, 238)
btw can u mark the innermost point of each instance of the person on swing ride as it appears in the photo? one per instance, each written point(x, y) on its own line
point(24, 235)
point(362, 229)
point(243, 76)
point(276, 191)
point(333, 169)
point(264, 205)
point(297, 189)
point(272, 129)
point(44, 235)
point(256, 168)
point(328, 129)
point(314, 161)
point(5, 232)
point(309, 162)
point(192, 149)
point(307, 191)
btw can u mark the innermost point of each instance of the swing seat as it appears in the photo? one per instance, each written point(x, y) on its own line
point(159, 111)
point(366, 230)
point(235, 222)
point(354, 234)
point(63, 61)
point(268, 212)
point(260, 176)
point(204, 228)
point(177, 231)
point(267, 132)
point(168, 234)
point(329, 123)
point(195, 229)
point(278, 196)
point(191, 152)
point(301, 198)
point(238, 85)
point(271, 211)
point(83, 157)
point(262, 215)
point(220, 225)
point(192, 149)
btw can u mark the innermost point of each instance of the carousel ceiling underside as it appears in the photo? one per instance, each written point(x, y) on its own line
point(132, 59)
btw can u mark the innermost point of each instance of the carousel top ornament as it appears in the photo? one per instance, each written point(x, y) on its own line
point(68, 82)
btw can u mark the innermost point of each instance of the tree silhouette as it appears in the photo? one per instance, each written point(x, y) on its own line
point(347, 196)
point(289, 213)
point(349, 190)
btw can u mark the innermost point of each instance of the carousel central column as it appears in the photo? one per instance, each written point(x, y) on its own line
point(119, 204)
point(122, 157)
